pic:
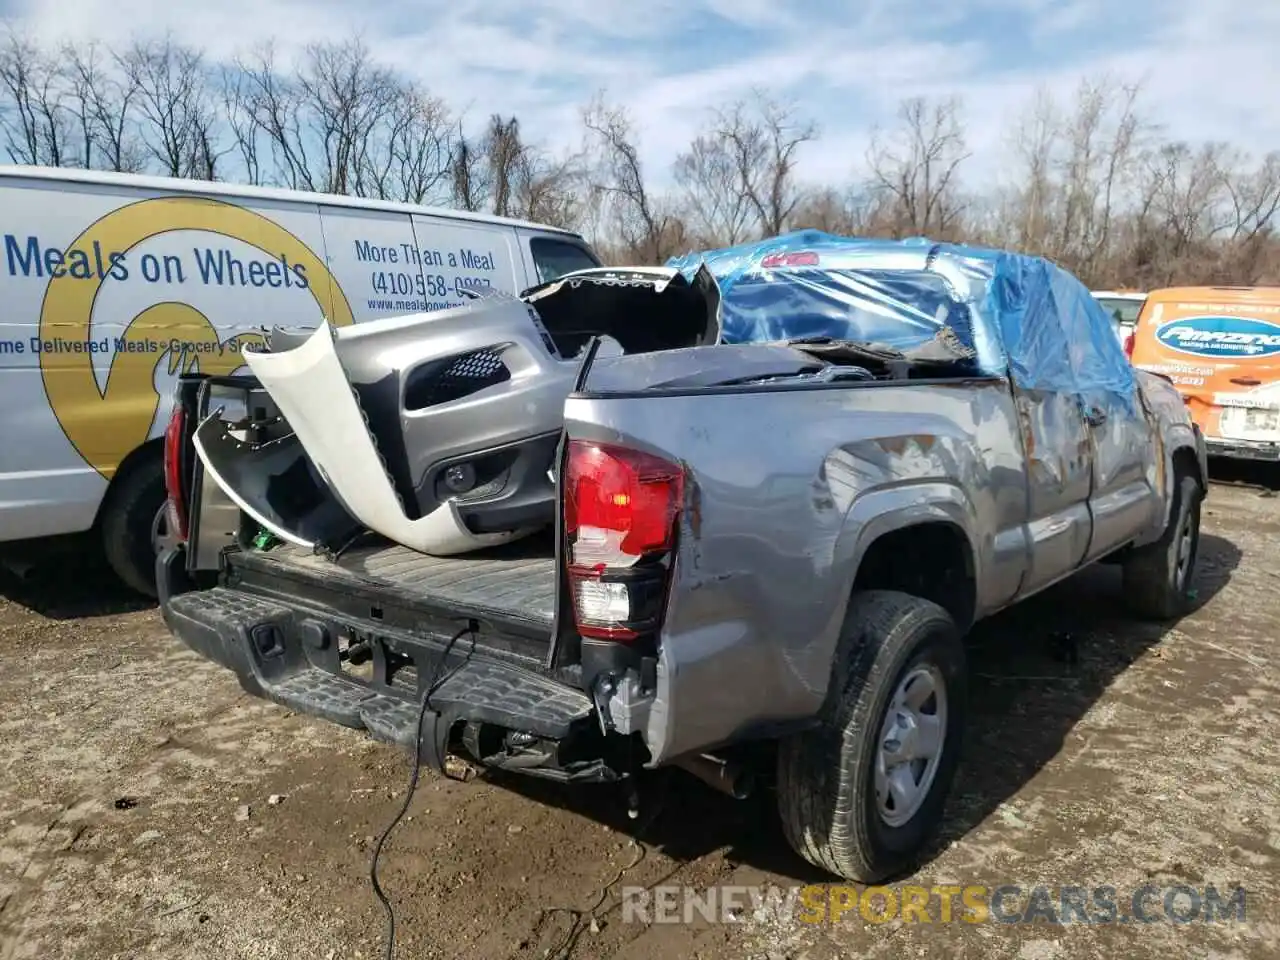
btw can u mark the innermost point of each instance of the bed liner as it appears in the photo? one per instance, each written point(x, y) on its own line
point(512, 587)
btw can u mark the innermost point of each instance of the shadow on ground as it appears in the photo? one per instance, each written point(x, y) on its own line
point(1249, 473)
point(65, 581)
point(1036, 668)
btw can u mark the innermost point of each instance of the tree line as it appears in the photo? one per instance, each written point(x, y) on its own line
point(1091, 182)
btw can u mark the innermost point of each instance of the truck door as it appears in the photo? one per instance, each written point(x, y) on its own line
point(1059, 468)
point(1124, 471)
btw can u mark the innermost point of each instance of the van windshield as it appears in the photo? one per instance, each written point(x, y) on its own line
point(1121, 308)
point(555, 258)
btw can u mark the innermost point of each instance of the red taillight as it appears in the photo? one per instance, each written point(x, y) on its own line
point(620, 504)
point(1128, 345)
point(620, 508)
point(177, 513)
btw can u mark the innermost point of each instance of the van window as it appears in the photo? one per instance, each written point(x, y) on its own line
point(1124, 310)
point(555, 258)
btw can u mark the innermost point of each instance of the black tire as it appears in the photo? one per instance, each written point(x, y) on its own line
point(128, 523)
point(1157, 578)
point(826, 776)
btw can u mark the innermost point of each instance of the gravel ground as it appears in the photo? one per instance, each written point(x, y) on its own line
point(149, 808)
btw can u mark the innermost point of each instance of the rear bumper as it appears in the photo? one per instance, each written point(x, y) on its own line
point(1243, 449)
point(493, 711)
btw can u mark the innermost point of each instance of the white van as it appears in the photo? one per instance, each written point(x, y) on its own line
point(112, 284)
point(1124, 307)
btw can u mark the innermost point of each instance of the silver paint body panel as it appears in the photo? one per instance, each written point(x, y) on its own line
point(790, 487)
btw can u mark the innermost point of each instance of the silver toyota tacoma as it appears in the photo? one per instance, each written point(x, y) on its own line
point(763, 549)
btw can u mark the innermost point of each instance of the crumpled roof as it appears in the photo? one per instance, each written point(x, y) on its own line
point(1022, 315)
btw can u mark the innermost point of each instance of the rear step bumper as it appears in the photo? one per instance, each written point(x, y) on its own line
point(1243, 449)
point(288, 655)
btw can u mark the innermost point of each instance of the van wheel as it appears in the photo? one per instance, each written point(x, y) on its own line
point(861, 795)
point(132, 517)
point(1157, 577)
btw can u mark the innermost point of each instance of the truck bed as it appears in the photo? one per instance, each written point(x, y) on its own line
point(510, 589)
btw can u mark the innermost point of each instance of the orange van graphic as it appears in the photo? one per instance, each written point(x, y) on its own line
point(1221, 347)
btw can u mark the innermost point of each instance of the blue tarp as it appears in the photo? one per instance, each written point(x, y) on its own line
point(1024, 316)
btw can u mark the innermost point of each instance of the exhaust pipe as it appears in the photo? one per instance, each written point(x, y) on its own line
point(722, 775)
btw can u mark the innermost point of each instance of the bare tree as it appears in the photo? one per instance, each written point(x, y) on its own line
point(504, 153)
point(719, 210)
point(81, 76)
point(341, 123)
point(103, 100)
point(275, 104)
point(348, 99)
point(1254, 197)
point(1188, 191)
point(846, 211)
point(1087, 181)
point(1101, 157)
point(648, 231)
point(552, 190)
point(1078, 175)
point(179, 122)
point(916, 165)
point(419, 146)
point(764, 137)
point(1183, 212)
point(37, 127)
point(1029, 208)
point(238, 111)
point(468, 173)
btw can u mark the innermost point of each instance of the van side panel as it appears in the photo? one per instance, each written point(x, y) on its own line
point(391, 264)
point(1221, 348)
point(368, 259)
point(108, 292)
point(458, 255)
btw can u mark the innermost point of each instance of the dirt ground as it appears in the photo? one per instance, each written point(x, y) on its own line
point(149, 808)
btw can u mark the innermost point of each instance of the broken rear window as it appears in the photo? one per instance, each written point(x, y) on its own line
point(899, 308)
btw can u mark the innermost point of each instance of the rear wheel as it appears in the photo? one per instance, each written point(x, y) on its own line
point(1157, 577)
point(861, 795)
point(134, 523)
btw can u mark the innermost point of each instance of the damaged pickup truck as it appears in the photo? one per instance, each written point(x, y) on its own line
point(734, 515)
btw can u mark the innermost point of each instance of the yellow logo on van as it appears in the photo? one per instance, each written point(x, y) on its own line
point(105, 425)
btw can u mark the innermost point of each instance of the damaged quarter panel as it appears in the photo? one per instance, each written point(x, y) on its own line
point(789, 487)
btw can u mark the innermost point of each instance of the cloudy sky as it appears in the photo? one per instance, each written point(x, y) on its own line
point(1209, 67)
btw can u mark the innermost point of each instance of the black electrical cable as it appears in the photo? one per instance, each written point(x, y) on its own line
point(335, 553)
point(434, 684)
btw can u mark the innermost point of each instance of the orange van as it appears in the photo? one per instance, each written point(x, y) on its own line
point(1221, 347)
